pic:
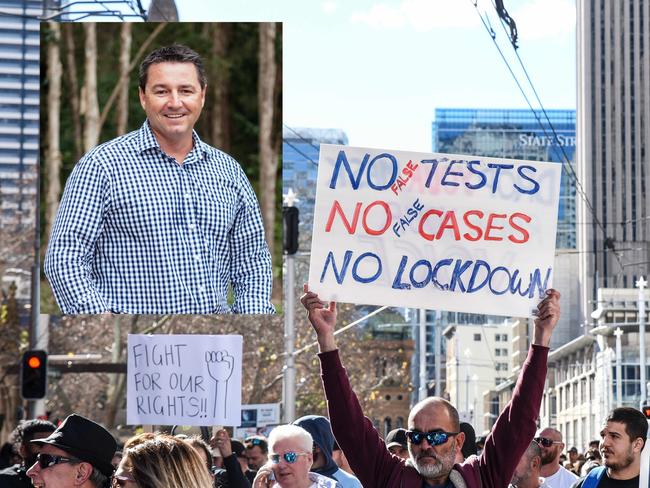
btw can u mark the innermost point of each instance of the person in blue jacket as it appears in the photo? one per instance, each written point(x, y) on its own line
point(320, 429)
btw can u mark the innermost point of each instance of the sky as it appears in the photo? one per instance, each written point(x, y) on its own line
point(379, 69)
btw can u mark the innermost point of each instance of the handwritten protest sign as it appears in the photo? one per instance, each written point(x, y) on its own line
point(437, 231)
point(184, 379)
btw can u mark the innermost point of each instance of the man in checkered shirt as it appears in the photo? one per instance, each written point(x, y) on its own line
point(157, 221)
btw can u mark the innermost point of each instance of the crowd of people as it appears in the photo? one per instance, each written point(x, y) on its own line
point(345, 450)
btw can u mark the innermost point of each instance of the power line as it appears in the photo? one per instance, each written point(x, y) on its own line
point(565, 163)
point(301, 137)
point(300, 152)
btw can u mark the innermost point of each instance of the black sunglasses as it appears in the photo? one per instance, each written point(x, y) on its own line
point(48, 460)
point(543, 441)
point(434, 437)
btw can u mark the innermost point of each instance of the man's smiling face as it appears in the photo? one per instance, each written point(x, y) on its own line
point(172, 99)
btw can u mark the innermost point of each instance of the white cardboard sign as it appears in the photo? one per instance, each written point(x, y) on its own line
point(437, 231)
point(184, 379)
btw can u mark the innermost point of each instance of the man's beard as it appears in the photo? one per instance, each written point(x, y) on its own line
point(627, 460)
point(440, 468)
point(548, 457)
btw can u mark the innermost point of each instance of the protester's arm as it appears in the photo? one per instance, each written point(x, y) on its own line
point(322, 319)
point(236, 477)
point(251, 272)
point(366, 452)
point(78, 224)
point(516, 425)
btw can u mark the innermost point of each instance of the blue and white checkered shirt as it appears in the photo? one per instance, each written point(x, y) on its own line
point(136, 232)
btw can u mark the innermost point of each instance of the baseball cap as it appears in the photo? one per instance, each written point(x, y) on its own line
point(396, 437)
point(85, 440)
point(237, 447)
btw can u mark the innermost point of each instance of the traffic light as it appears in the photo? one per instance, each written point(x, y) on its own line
point(33, 375)
point(290, 217)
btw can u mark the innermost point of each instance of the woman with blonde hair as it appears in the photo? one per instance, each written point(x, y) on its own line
point(161, 461)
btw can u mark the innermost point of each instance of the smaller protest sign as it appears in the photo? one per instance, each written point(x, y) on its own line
point(184, 379)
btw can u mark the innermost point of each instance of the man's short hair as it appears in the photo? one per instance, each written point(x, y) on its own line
point(438, 401)
point(635, 422)
point(257, 440)
point(533, 450)
point(26, 430)
point(176, 53)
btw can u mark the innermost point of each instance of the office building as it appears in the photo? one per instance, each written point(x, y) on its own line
point(514, 134)
point(19, 111)
point(613, 151)
point(300, 151)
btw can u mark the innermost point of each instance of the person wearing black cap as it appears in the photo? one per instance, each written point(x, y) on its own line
point(396, 443)
point(77, 454)
point(239, 450)
point(232, 475)
point(16, 476)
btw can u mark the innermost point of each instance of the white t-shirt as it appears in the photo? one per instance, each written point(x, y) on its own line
point(563, 478)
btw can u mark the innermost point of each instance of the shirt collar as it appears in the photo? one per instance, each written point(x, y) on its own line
point(146, 141)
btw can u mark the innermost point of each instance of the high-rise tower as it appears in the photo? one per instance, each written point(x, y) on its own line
point(613, 144)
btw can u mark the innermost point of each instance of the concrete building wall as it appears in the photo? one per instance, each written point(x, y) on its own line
point(478, 358)
point(613, 144)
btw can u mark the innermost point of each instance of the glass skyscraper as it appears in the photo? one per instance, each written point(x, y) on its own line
point(515, 134)
point(300, 151)
point(19, 110)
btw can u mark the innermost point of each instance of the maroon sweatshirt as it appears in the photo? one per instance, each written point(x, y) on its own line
point(376, 467)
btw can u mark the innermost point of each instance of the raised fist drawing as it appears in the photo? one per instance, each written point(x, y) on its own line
point(220, 368)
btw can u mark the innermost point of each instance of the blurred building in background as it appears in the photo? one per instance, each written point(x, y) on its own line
point(613, 151)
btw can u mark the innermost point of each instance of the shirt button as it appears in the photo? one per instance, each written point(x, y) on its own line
point(191, 226)
point(197, 257)
point(188, 196)
point(201, 289)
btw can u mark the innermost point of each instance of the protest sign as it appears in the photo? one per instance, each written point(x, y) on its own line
point(437, 231)
point(184, 379)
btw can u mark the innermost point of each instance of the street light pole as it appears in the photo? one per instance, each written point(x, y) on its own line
point(289, 377)
point(619, 388)
point(422, 391)
point(641, 284)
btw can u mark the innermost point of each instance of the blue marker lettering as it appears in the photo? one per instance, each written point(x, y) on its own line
point(535, 187)
point(355, 267)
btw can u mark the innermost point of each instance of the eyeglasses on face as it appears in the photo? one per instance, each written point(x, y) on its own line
point(434, 437)
point(289, 456)
point(544, 441)
point(118, 480)
point(49, 460)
